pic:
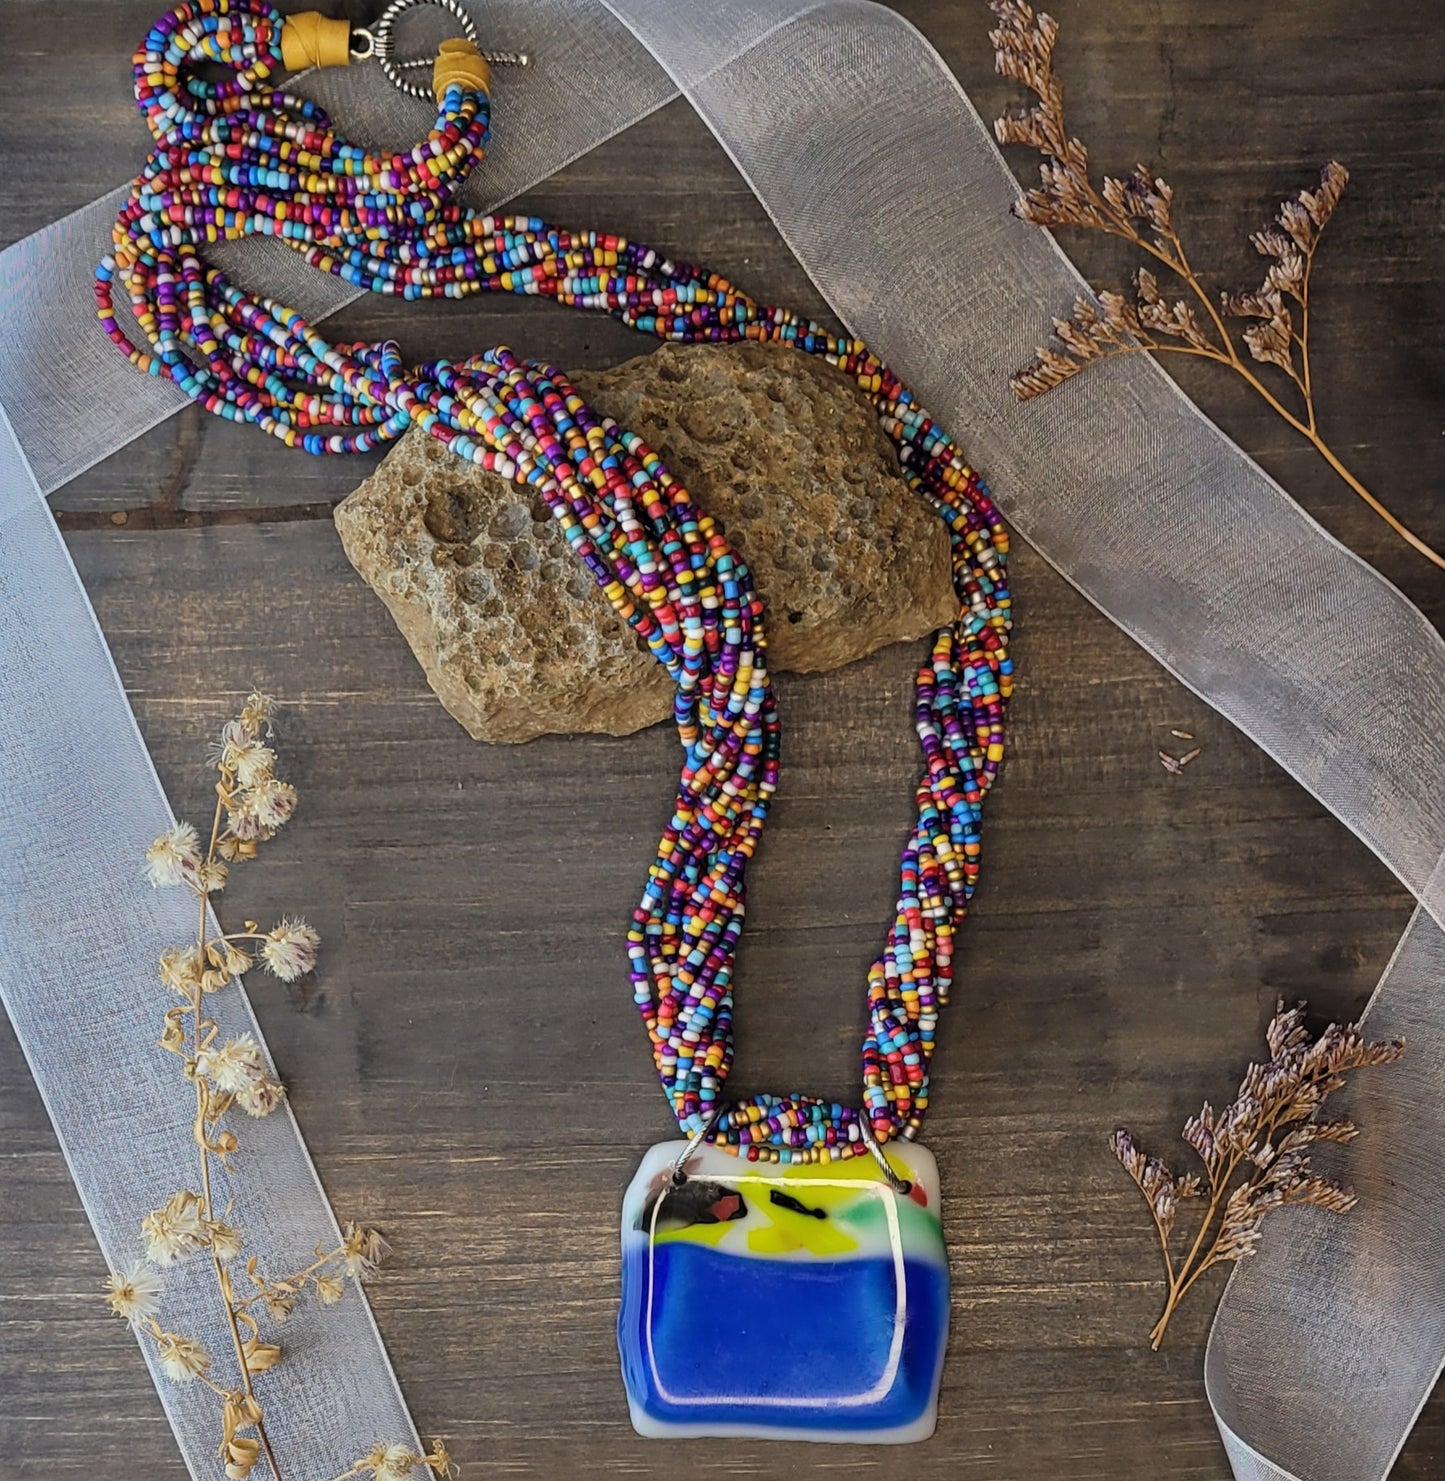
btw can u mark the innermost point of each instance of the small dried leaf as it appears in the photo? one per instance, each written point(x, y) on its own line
point(438, 1459)
point(1326, 1193)
point(241, 1455)
point(1199, 1134)
point(260, 1355)
point(1142, 198)
point(1023, 52)
point(1332, 1131)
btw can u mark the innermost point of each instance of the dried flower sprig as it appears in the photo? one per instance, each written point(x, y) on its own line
point(252, 803)
point(1266, 1134)
point(1140, 209)
point(398, 1462)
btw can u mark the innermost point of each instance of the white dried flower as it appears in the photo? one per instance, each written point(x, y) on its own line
point(233, 739)
point(330, 1289)
point(180, 968)
point(362, 1250)
point(271, 803)
point(134, 1293)
point(240, 752)
point(253, 764)
point(260, 1100)
point(290, 949)
point(212, 877)
point(244, 823)
point(181, 1359)
point(225, 1241)
point(235, 1067)
point(175, 857)
point(397, 1463)
point(175, 1231)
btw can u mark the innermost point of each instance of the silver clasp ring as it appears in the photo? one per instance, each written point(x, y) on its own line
point(381, 44)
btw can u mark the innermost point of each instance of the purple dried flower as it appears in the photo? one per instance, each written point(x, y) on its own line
point(1139, 209)
point(1265, 1137)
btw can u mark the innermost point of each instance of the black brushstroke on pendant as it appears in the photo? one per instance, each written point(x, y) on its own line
point(696, 1201)
point(787, 1201)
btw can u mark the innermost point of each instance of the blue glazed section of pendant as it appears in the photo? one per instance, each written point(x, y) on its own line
point(787, 1302)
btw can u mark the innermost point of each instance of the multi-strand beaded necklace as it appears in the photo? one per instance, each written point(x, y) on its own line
point(239, 158)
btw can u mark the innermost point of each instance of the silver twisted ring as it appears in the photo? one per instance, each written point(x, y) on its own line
point(382, 44)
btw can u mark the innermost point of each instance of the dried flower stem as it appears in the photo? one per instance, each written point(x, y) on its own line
point(1271, 1127)
point(289, 1282)
point(1139, 209)
point(1201, 1257)
point(198, 1021)
point(251, 804)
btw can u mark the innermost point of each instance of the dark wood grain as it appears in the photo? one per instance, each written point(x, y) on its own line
point(1130, 938)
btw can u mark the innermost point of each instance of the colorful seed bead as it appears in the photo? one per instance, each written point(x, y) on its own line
point(241, 158)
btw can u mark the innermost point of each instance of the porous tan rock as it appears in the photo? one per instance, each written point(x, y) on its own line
point(514, 636)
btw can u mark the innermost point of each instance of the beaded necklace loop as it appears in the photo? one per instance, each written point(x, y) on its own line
point(240, 158)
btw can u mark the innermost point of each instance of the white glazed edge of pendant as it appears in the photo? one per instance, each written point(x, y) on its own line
point(911, 1433)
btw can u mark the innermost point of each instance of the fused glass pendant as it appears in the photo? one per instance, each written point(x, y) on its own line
point(793, 1302)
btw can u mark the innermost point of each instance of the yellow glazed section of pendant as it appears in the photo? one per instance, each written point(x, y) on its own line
point(827, 1211)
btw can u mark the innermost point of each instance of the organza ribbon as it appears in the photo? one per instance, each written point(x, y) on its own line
point(884, 181)
point(79, 803)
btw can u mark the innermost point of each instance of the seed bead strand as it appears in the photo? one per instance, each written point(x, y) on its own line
point(242, 158)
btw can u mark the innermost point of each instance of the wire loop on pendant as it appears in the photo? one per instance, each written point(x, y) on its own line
point(679, 1168)
point(901, 1186)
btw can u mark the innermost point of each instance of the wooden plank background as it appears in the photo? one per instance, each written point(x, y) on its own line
point(467, 1068)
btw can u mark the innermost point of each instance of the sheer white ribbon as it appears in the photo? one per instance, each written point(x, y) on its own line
point(886, 184)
